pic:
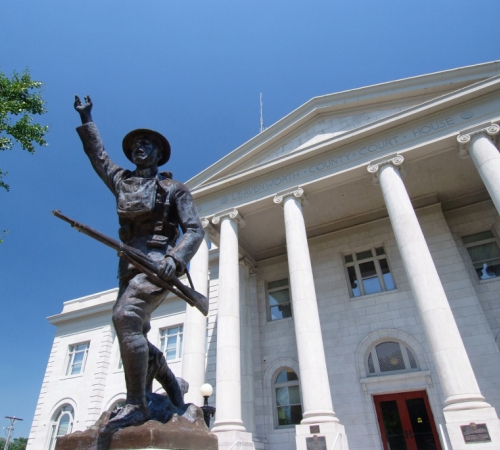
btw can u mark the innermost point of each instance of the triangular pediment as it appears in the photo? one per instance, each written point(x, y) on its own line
point(320, 129)
point(325, 118)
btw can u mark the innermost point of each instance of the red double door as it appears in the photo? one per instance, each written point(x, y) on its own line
point(406, 421)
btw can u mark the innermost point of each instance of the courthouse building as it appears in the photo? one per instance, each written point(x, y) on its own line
point(352, 261)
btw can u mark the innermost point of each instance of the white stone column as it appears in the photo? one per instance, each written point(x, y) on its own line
point(479, 145)
point(195, 326)
point(228, 424)
point(463, 400)
point(247, 270)
point(314, 383)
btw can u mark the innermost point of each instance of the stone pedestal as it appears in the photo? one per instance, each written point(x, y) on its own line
point(333, 434)
point(235, 439)
point(179, 434)
point(457, 419)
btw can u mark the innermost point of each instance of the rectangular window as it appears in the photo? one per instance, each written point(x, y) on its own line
point(368, 272)
point(484, 253)
point(171, 342)
point(77, 358)
point(278, 300)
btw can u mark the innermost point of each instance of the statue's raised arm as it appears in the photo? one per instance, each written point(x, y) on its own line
point(93, 145)
point(84, 109)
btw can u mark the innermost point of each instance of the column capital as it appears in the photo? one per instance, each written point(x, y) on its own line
point(465, 136)
point(232, 214)
point(209, 228)
point(296, 192)
point(247, 262)
point(375, 165)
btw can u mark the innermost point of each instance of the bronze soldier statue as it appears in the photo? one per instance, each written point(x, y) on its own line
point(151, 207)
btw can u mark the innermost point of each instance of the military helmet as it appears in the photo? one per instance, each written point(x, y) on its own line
point(157, 138)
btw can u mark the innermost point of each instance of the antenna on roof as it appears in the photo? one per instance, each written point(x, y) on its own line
point(262, 127)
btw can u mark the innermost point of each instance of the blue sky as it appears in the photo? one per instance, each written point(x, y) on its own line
point(192, 70)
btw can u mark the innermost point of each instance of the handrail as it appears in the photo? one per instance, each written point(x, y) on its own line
point(237, 442)
point(444, 437)
point(341, 441)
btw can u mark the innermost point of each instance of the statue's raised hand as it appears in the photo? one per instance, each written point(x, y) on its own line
point(84, 109)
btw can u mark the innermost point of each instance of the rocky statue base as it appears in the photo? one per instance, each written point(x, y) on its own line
point(182, 432)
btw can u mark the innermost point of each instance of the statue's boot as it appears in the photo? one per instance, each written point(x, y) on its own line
point(158, 369)
point(127, 416)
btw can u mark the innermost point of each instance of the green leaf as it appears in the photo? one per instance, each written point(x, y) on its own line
point(20, 100)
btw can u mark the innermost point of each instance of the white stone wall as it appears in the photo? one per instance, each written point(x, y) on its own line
point(213, 291)
point(470, 220)
point(84, 391)
point(278, 348)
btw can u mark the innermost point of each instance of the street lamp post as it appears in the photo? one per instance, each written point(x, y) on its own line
point(208, 411)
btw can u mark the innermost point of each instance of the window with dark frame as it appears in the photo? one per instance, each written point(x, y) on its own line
point(484, 253)
point(278, 300)
point(287, 398)
point(368, 272)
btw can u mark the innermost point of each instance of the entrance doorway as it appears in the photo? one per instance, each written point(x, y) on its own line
point(406, 422)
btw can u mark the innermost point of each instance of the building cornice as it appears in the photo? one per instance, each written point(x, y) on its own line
point(102, 308)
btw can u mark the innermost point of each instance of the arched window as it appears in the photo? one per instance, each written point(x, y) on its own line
point(390, 356)
point(288, 406)
point(62, 423)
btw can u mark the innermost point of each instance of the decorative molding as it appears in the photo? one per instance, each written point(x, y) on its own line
point(396, 381)
point(231, 214)
point(465, 137)
point(395, 160)
point(101, 372)
point(296, 192)
point(271, 368)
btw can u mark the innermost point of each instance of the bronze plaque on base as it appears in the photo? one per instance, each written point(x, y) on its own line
point(316, 443)
point(475, 432)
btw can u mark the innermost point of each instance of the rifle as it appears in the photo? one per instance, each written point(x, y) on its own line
point(143, 263)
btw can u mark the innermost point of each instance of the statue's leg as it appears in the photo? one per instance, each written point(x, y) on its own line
point(154, 363)
point(137, 299)
point(164, 375)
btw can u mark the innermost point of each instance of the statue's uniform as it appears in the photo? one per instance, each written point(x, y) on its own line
point(150, 212)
